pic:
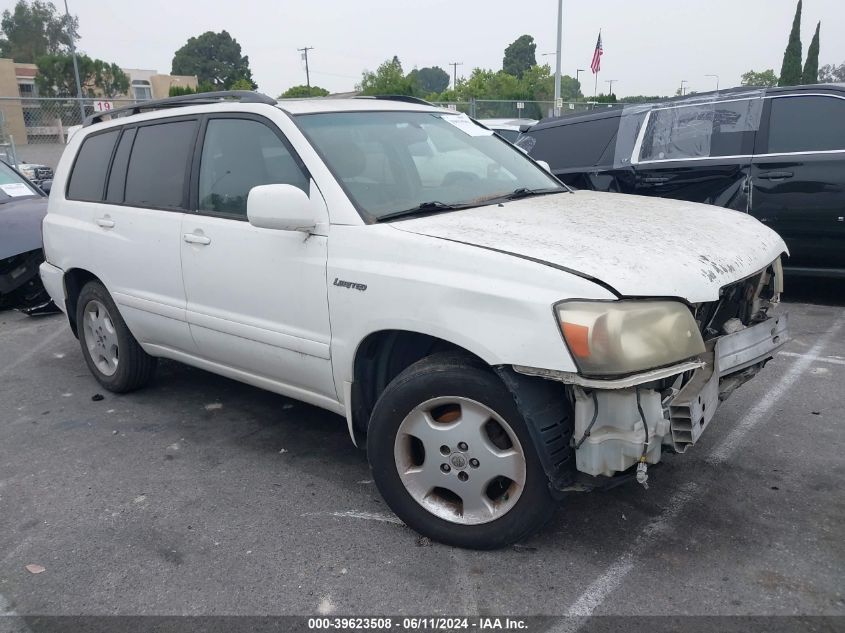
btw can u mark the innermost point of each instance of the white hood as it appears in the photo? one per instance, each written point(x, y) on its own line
point(639, 246)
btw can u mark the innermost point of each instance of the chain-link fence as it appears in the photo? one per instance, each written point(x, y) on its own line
point(514, 109)
point(35, 130)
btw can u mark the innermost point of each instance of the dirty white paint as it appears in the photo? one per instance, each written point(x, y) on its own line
point(140, 499)
point(639, 245)
point(59, 355)
point(326, 606)
point(213, 406)
point(604, 585)
point(356, 514)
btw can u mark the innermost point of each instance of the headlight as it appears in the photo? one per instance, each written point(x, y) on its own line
point(623, 337)
point(29, 172)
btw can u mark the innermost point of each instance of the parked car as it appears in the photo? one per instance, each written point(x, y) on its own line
point(35, 173)
point(22, 208)
point(508, 129)
point(777, 154)
point(493, 339)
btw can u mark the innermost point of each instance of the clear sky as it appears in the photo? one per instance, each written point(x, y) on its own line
point(649, 45)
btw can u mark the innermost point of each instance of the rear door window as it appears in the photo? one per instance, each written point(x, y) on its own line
point(706, 130)
point(158, 165)
point(806, 124)
point(88, 178)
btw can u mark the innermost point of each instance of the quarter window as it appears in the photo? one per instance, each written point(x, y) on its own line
point(159, 164)
point(806, 124)
point(237, 155)
point(88, 178)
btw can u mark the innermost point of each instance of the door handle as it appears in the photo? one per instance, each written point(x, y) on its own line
point(194, 238)
point(775, 175)
point(105, 222)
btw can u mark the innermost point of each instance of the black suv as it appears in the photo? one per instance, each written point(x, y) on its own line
point(776, 153)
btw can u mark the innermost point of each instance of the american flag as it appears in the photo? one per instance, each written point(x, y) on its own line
point(596, 65)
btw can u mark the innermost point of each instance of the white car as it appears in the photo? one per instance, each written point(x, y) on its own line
point(508, 129)
point(493, 339)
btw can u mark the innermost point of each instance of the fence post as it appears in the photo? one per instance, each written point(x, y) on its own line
point(472, 107)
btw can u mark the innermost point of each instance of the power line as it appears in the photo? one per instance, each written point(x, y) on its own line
point(454, 66)
point(304, 52)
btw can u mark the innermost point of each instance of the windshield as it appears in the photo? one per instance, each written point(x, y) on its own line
point(390, 162)
point(13, 186)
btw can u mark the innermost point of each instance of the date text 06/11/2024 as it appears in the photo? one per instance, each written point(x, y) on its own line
point(437, 623)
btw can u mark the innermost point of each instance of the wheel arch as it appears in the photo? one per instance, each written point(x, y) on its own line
point(380, 357)
point(74, 280)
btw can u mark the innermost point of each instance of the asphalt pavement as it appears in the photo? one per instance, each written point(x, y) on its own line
point(200, 495)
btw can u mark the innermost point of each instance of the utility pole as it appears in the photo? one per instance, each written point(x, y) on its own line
point(304, 52)
point(71, 37)
point(557, 57)
point(717, 81)
point(454, 66)
point(610, 83)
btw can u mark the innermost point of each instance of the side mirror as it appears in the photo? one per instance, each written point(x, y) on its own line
point(544, 165)
point(281, 207)
point(46, 186)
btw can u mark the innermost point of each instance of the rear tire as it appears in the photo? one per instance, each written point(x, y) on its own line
point(111, 352)
point(453, 458)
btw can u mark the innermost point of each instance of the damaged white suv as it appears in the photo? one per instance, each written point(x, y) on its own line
point(493, 338)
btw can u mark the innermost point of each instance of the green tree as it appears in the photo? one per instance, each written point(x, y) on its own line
point(428, 80)
point(55, 77)
point(215, 58)
point(33, 30)
point(811, 66)
point(766, 78)
point(388, 79)
point(178, 91)
point(303, 91)
point(790, 72)
point(242, 84)
point(831, 73)
point(520, 56)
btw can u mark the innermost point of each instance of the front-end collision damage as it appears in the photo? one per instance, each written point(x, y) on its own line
point(20, 285)
point(617, 423)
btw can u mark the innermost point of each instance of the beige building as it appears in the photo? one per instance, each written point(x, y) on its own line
point(26, 120)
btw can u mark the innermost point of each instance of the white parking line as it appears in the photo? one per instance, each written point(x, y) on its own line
point(833, 360)
point(35, 350)
point(355, 514)
point(586, 604)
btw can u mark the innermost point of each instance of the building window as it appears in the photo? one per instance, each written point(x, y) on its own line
point(26, 90)
point(141, 90)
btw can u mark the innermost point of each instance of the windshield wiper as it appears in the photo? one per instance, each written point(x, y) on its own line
point(424, 208)
point(525, 192)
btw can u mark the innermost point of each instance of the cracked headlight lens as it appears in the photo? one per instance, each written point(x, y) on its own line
point(622, 337)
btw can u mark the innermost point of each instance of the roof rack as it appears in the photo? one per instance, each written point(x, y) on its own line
point(201, 98)
point(404, 98)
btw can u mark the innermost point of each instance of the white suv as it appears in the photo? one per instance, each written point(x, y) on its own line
point(493, 338)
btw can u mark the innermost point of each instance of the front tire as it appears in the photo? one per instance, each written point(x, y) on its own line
point(111, 352)
point(452, 456)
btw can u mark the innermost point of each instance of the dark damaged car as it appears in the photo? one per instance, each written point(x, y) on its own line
point(776, 153)
point(22, 208)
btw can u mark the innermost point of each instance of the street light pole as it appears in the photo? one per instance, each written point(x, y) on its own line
point(717, 81)
point(557, 57)
point(683, 81)
point(71, 36)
